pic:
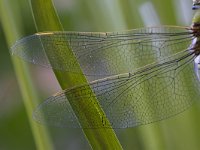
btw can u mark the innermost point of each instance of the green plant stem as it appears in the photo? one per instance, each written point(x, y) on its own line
point(9, 20)
point(46, 19)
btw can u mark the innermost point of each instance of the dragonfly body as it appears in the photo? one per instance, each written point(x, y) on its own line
point(196, 42)
point(147, 74)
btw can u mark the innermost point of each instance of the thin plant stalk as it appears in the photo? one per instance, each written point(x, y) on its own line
point(46, 19)
point(13, 31)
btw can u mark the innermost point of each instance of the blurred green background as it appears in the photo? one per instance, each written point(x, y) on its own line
point(181, 132)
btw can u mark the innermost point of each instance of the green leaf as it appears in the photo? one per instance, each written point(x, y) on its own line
point(46, 19)
point(13, 30)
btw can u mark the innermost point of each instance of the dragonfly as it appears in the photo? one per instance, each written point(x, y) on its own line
point(140, 76)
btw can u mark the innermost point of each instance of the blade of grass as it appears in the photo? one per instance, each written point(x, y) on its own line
point(46, 19)
point(13, 31)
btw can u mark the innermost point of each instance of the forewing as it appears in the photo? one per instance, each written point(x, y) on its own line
point(102, 54)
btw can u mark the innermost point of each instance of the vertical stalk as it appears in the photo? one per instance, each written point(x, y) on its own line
point(46, 19)
point(13, 31)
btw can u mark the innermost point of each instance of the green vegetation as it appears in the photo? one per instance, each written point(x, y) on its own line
point(46, 20)
point(19, 131)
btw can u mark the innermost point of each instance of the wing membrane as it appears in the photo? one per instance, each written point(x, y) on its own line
point(151, 74)
point(103, 54)
point(152, 93)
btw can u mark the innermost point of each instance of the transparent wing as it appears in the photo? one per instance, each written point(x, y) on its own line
point(103, 54)
point(151, 93)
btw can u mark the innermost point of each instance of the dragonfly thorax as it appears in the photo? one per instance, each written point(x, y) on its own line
point(195, 46)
